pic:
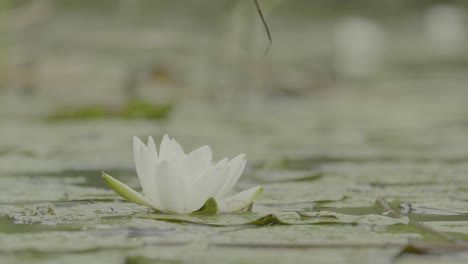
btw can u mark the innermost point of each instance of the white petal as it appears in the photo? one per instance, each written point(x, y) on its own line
point(170, 149)
point(172, 188)
point(146, 170)
point(196, 163)
point(222, 162)
point(164, 148)
point(176, 148)
point(239, 201)
point(152, 149)
point(207, 153)
point(236, 166)
point(236, 175)
point(136, 150)
point(208, 186)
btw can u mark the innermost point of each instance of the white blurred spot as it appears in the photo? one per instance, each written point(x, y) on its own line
point(359, 46)
point(444, 29)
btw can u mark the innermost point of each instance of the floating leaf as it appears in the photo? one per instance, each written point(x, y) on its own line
point(239, 219)
point(267, 220)
point(385, 209)
point(209, 208)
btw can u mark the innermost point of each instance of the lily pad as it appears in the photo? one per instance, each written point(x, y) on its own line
point(209, 208)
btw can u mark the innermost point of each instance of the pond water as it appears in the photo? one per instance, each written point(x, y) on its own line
point(347, 178)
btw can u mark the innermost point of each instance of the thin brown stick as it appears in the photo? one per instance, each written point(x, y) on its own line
point(265, 25)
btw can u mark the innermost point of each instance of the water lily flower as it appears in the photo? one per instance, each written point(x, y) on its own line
point(178, 183)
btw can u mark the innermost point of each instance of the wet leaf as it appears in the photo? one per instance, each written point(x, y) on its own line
point(209, 208)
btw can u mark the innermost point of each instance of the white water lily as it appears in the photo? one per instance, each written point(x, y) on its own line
point(175, 182)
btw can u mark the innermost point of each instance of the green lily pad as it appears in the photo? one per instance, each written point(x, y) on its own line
point(242, 219)
point(209, 208)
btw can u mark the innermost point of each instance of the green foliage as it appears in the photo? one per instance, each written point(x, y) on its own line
point(140, 109)
point(209, 208)
point(132, 110)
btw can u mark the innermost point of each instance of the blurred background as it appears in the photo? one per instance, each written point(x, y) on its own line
point(342, 78)
point(357, 105)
